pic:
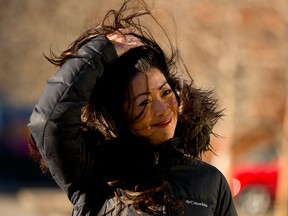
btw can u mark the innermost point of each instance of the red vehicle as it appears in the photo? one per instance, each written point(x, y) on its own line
point(257, 173)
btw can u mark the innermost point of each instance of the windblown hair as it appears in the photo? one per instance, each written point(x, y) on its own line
point(198, 110)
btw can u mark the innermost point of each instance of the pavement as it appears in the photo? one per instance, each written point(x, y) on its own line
point(35, 202)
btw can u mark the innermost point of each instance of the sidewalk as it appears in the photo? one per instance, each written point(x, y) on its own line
point(35, 202)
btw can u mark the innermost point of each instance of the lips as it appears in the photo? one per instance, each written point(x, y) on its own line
point(164, 123)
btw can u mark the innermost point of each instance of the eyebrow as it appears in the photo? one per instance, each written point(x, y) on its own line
point(146, 93)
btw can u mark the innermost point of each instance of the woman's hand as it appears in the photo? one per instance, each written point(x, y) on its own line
point(124, 40)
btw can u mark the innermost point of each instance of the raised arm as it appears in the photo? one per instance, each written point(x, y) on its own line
point(56, 119)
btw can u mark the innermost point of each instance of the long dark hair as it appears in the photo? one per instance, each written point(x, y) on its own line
point(198, 110)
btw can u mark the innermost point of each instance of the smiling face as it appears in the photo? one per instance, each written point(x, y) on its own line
point(153, 111)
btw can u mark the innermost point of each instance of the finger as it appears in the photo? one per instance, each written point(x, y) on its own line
point(129, 39)
point(127, 30)
point(132, 38)
point(134, 42)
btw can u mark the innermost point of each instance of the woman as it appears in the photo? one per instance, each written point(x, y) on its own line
point(121, 133)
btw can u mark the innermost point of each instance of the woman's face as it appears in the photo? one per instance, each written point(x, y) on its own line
point(159, 118)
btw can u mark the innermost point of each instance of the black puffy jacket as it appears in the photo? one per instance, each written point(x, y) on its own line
point(81, 170)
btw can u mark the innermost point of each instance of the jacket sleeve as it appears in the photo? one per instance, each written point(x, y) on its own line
point(225, 205)
point(56, 119)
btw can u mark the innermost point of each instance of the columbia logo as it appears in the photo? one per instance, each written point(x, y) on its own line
point(192, 202)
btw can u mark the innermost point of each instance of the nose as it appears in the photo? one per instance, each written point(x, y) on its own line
point(159, 107)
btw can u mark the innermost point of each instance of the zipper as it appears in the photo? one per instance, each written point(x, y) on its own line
point(156, 158)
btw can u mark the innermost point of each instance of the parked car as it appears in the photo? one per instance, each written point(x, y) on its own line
point(257, 173)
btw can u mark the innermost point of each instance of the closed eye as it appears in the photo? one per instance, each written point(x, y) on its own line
point(145, 102)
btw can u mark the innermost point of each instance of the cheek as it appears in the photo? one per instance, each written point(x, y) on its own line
point(141, 124)
point(174, 104)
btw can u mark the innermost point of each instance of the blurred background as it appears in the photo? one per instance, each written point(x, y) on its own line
point(237, 48)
